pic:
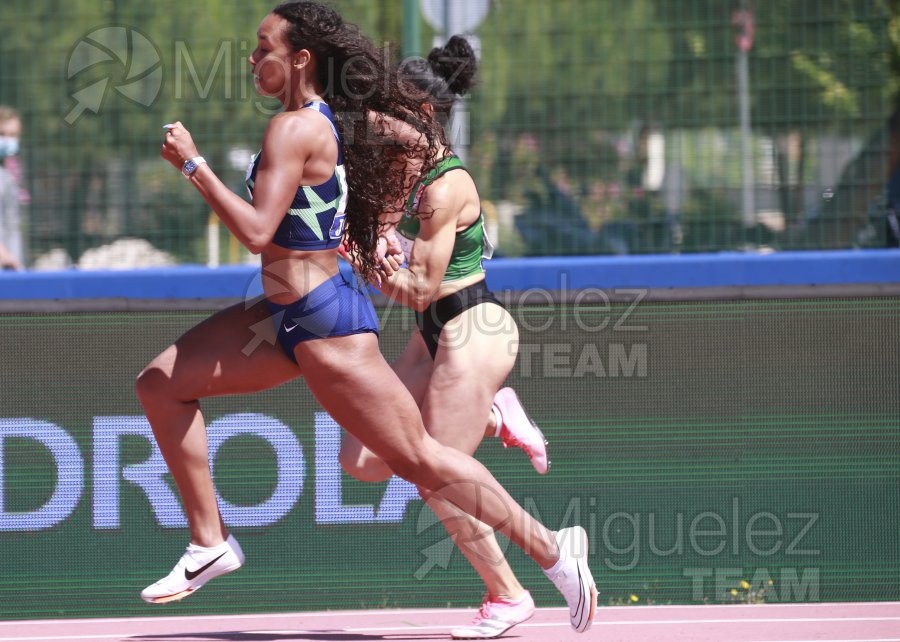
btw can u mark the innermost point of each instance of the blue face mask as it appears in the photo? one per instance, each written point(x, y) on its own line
point(9, 146)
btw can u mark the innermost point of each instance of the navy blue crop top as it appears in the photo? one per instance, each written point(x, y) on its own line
point(315, 220)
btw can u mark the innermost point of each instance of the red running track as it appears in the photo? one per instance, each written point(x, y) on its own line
point(838, 622)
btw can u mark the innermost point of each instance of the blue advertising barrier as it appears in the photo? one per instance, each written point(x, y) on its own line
point(844, 267)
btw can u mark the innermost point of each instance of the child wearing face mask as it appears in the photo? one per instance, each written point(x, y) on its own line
point(12, 195)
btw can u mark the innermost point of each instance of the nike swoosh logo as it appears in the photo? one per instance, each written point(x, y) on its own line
point(189, 575)
point(292, 328)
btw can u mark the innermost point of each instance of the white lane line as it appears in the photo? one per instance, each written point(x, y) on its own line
point(375, 629)
point(252, 616)
point(853, 606)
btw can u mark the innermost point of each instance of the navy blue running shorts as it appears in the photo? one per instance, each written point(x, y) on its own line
point(338, 307)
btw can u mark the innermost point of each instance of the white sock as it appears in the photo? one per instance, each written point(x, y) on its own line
point(498, 418)
point(563, 559)
point(210, 549)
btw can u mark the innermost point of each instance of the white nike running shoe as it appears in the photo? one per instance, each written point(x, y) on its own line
point(519, 430)
point(573, 578)
point(496, 617)
point(196, 567)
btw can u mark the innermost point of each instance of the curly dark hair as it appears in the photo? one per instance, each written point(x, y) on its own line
point(358, 80)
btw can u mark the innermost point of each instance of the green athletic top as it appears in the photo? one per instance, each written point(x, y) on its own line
point(471, 245)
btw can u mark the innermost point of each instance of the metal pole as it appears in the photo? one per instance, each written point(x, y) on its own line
point(447, 33)
point(744, 22)
point(412, 34)
point(748, 206)
point(459, 119)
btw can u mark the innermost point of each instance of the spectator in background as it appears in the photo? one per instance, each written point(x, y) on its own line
point(12, 246)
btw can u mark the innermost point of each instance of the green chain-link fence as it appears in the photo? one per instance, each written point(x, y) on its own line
point(599, 126)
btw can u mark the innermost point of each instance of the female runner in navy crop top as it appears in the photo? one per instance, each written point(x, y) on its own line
point(303, 48)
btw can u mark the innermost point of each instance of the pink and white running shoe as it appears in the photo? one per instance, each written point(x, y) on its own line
point(496, 617)
point(519, 430)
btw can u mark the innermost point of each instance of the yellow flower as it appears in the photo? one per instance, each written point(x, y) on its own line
point(633, 598)
point(734, 591)
point(745, 585)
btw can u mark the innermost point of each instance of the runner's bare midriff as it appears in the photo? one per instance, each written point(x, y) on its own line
point(288, 275)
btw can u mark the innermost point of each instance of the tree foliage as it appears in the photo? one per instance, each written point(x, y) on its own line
point(565, 87)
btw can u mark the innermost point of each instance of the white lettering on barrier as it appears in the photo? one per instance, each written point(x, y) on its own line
point(289, 459)
point(69, 474)
point(150, 475)
point(330, 507)
point(146, 475)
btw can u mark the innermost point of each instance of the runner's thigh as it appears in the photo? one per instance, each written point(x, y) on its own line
point(232, 352)
point(476, 353)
